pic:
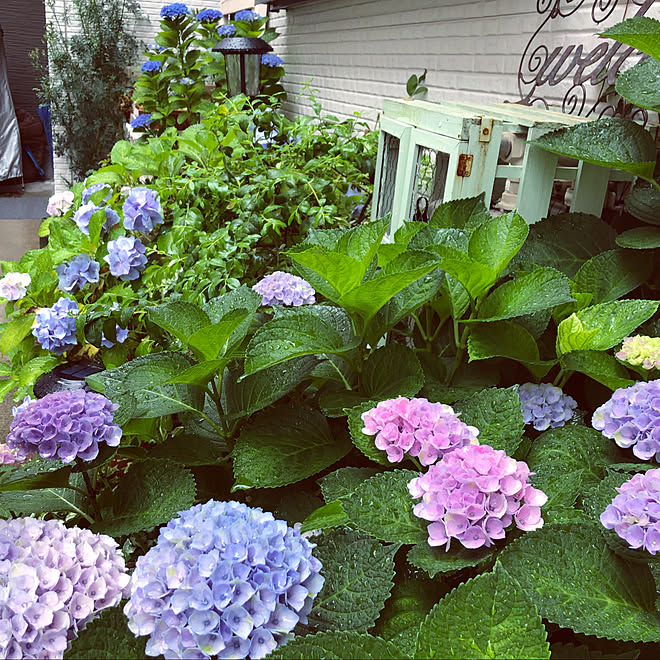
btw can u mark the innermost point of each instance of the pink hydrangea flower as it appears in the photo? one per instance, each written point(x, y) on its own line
point(418, 427)
point(474, 494)
point(60, 203)
point(641, 351)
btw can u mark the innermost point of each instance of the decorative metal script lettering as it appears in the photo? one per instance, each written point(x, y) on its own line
point(541, 67)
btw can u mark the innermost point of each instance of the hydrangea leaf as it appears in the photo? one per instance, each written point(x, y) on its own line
point(609, 142)
point(365, 443)
point(489, 616)
point(467, 213)
point(329, 272)
point(392, 371)
point(602, 326)
point(15, 331)
point(640, 238)
point(437, 560)
point(363, 241)
point(337, 646)
point(107, 638)
point(188, 449)
point(401, 240)
point(325, 517)
point(641, 84)
point(542, 289)
point(42, 501)
point(383, 507)
point(641, 32)
point(344, 481)
point(200, 373)
point(581, 584)
point(35, 474)
point(212, 340)
point(284, 445)
point(613, 274)
point(643, 202)
point(359, 574)
point(598, 365)
point(568, 459)
point(180, 318)
point(334, 402)
point(498, 416)
point(34, 368)
point(151, 493)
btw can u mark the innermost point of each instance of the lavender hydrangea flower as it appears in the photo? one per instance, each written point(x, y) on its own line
point(126, 257)
point(174, 12)
point(121, 335)
point(154, 47)
point(65, 425)
point(151, 66)
point(417, 427)
point(54, 580)
point(84, 214)
point(271, 60)
point(545, 406)
point(13, 286)
point(285, 289)
point(60, 203)
point(94, 188)
point(142, 210)
point(21, 406)
point(55, 327)
point(631, 418)
point(226, 31)
point(76, 273)
point(247, 15)
point(474, 494)
point(209, 16)
point(223, 580)
point(635, 513)
point(10, 457)
point(641, 351)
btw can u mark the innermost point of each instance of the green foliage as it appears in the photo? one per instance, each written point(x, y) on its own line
point(642, 32)
point(639, 85)
point(337, 646)
point(438, 560)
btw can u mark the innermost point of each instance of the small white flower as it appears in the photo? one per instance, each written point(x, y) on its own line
point(13, 286)
point(60, 203)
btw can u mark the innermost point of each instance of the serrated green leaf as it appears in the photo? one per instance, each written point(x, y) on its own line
point(602, 326)
point(337, 646)
point(325, 517)
point(331, 273)
point(642, 32)
point(497, 414)
point(344, 481)
point(31, 370)
point(468, 213)
point(392, 371)
point(640, 238)
point(242, 298)
point(15, 331)
point(581, 584)
point(489, 616)
point(35, 474)
point(359, 574)
point(382, 506)
point(641, 84)
point(211, 340)
point(187, 449)
point(151, 493)
point(643, 202)
point(363, 241)
point(474, 276)
point(598, 365)
point(200, 373)
point(609, 142)
point(437, 560)
point(365, 443)
point(284, 445)
point(180, 318)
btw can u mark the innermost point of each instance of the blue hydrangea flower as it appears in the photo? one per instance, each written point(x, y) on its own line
point(271, 60)
point(247, 15)
point(65, 425)
point(55, 581)
point(155, 47)
point(142, 210)
point(76, 273)
point(186, 81)
point(141, 121)
point(84, 214)
point(285, 289)
point(226, 31)
point(209, 16)
point(174, 12)
point(94, 188)
point(126, 257)
point(55, 327)
point(223, 580)
point(545, 406)
point(121, 335)
point(631, 418)
point(151, 66)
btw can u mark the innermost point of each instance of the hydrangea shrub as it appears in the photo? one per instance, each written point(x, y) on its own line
point(545, 406)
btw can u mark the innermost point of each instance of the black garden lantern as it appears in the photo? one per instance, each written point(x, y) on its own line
point(243, 63)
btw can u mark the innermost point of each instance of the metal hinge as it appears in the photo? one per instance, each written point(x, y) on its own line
point(485, 129)
point(464, 165)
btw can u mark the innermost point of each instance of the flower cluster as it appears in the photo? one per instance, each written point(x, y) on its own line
point(247, 15)
point(226, 31)
point(473, 494)
point(126, 257)
point(635, 513)
point(641, 351)
point(209, 16)
point(631, 418)
point(84, 214)
point(271, 60)
point(93, 189)
point(65, 425)
point(142, 210)
point(13, 286)
point(55, 327)
point(54, 581)
point(545, 406)
point(10, 456)
point(285, 289)
point(141, 120)
point(424, 429)
point(174, 12)
point(222, 580)
point(76, 273)
point(151, 66)
point(60, 203)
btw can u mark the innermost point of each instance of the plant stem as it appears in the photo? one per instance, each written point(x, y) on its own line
point(462, 343)
point(338, 370)
point(92, 495)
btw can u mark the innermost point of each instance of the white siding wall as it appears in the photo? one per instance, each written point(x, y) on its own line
point(357, 52)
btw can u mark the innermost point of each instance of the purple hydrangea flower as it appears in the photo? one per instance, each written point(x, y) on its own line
point(247, 15)
point(271, 60)
point(417, 427)
point(209, 16)
point(641, 351)
point(142, 210)
point(55, 580)
point(126, 257)
point(474, 494)
point(55, 327)
point(151, 66)
point(174, 12)
point(13, 286)
point(10, 457)
point(545, 406)
point(21, 406)
point(141, 120)
point(65, 425)
point(285, 289)
point(94, 188)
point(223, 580)
point(60, 203)
point(632, 419)
point(84, 214)
point(226, 31)
point(121, 335)
point(76, 273)
point(635, 513)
